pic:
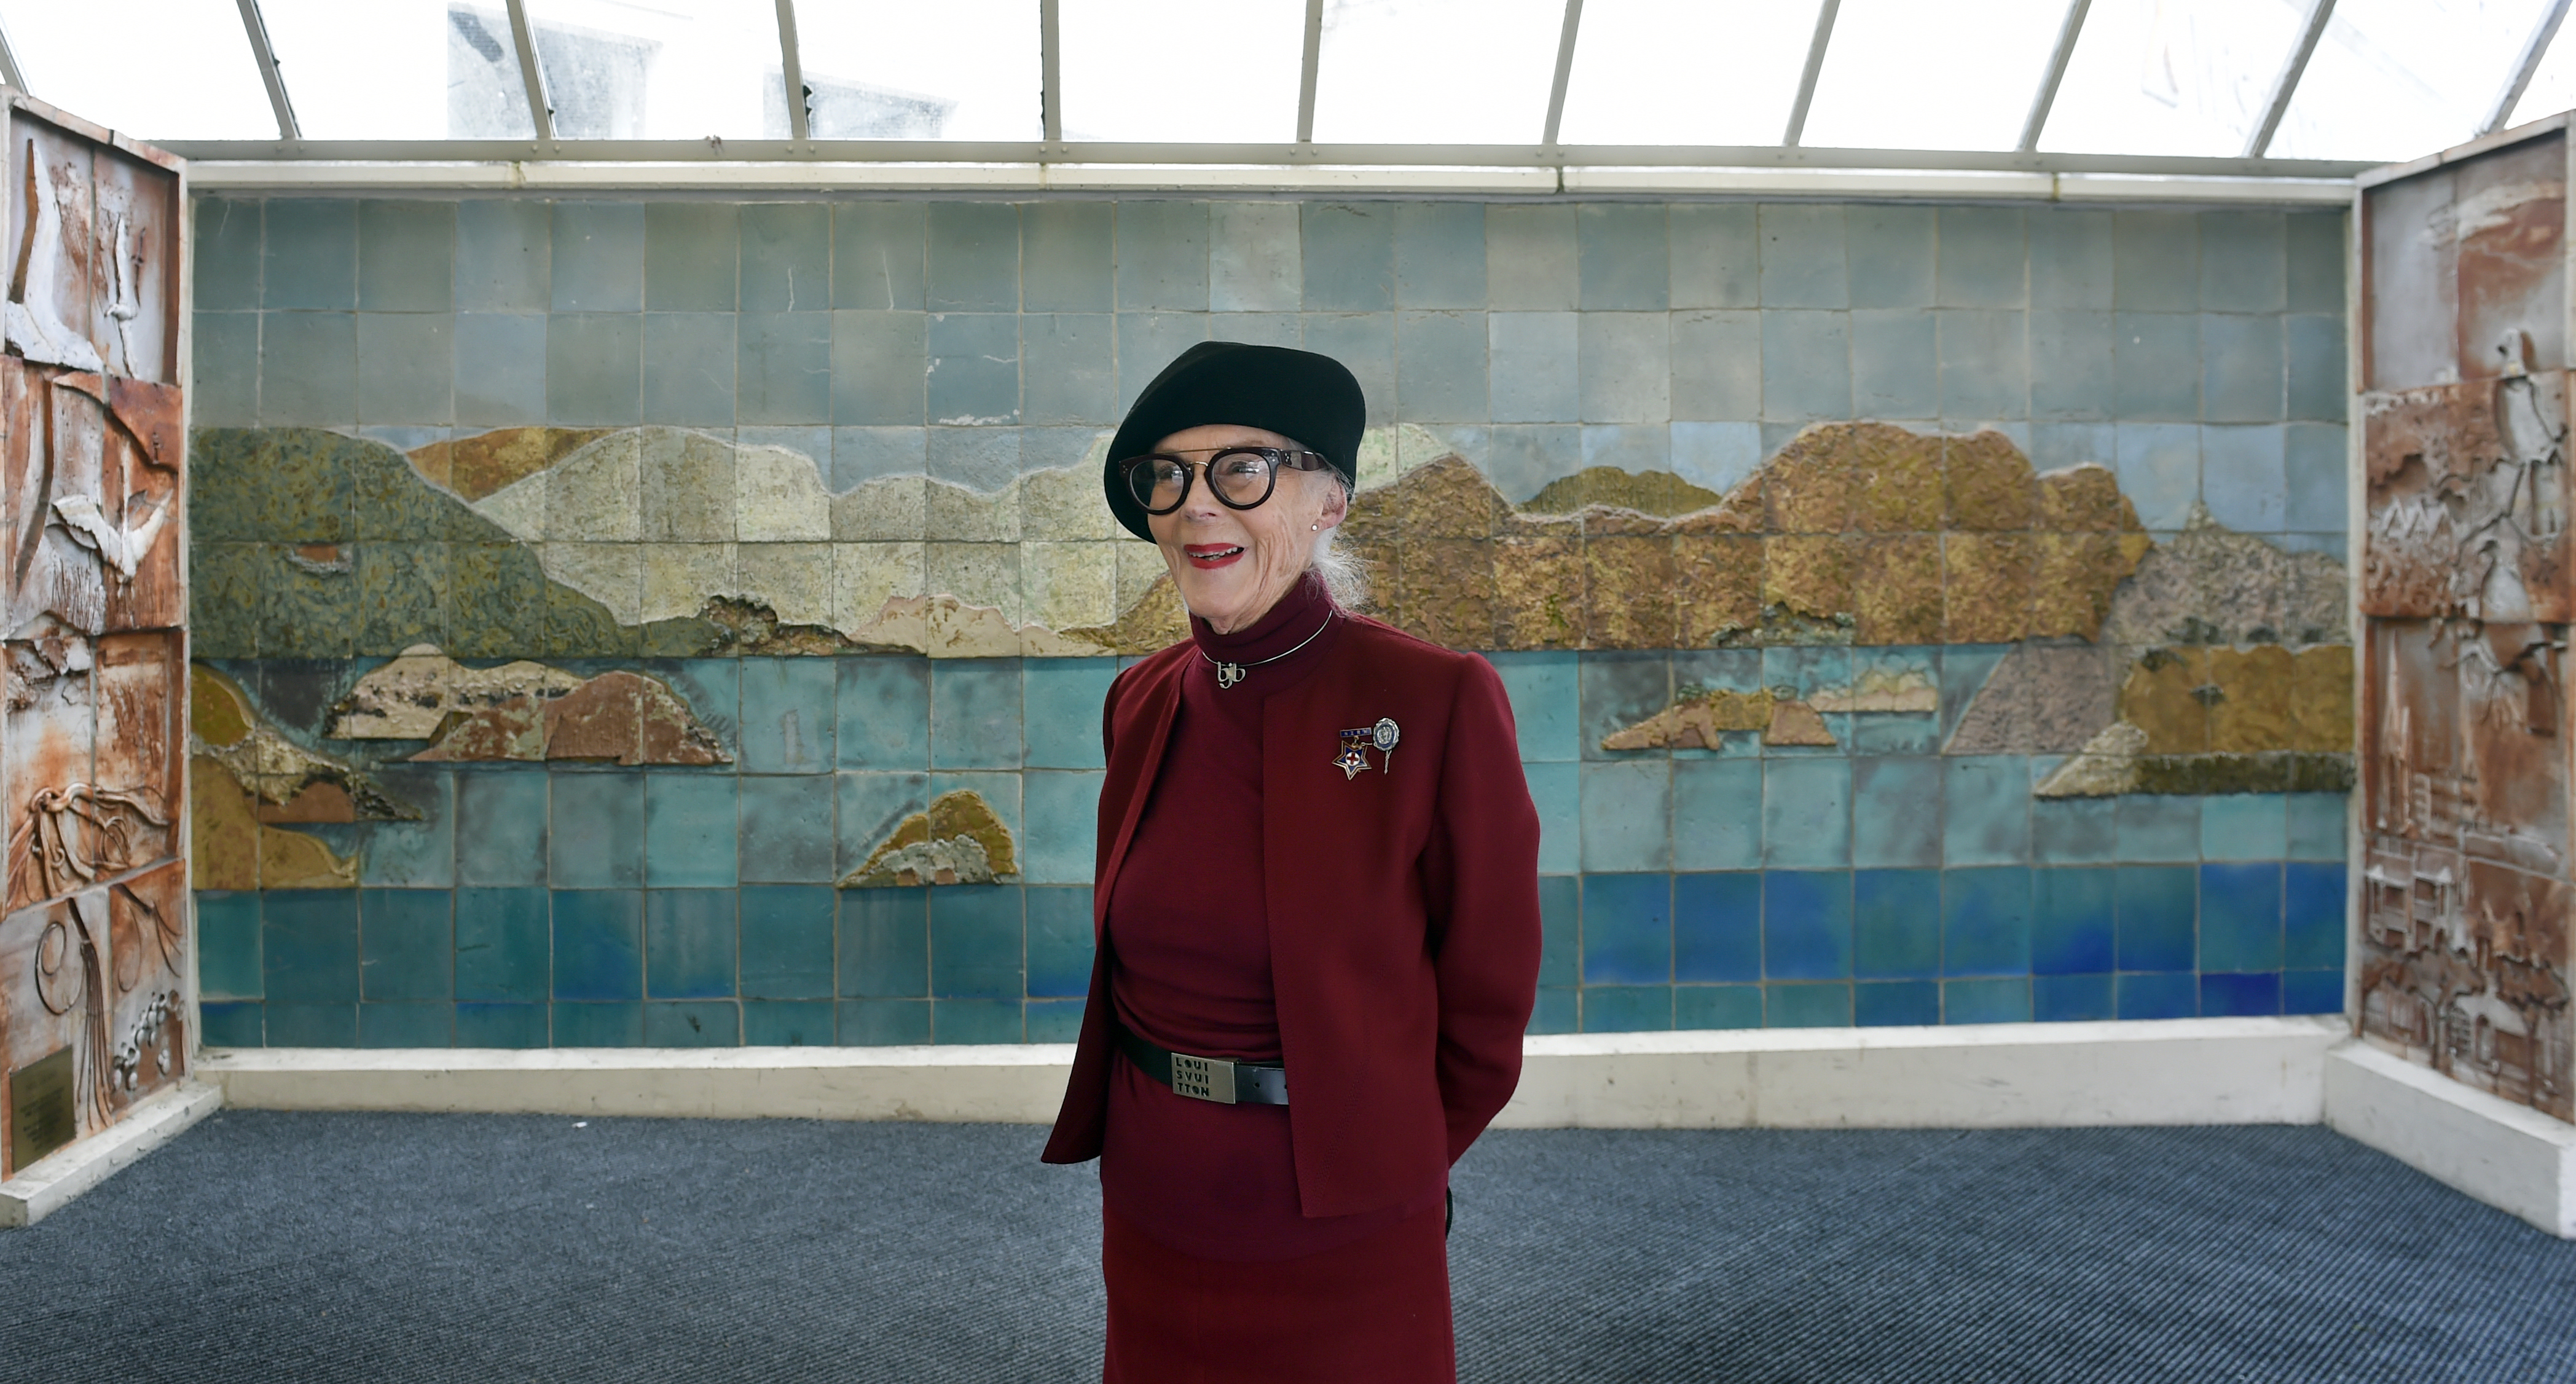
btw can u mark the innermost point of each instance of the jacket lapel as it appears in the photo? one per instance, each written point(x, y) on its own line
point(1154, 714)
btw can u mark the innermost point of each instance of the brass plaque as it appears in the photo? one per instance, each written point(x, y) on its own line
point(40, 1108)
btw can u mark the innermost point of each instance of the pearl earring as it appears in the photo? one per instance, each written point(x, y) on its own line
point(1319, 528)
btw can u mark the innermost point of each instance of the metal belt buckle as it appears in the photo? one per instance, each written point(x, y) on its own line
point(1203, 1078)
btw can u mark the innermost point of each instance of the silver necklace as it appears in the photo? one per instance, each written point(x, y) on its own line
point(1228, 674)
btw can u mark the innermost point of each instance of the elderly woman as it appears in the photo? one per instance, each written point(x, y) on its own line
point(1316, 912)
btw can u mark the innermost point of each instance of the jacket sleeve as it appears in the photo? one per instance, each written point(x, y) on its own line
point(1480, 878)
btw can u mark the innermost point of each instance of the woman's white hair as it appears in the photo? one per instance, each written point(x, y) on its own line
point(1345, 576)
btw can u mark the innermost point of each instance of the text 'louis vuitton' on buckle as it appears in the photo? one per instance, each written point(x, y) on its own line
point(1203, 1078)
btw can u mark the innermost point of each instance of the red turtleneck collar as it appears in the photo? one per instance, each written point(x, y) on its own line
point(1298, 615)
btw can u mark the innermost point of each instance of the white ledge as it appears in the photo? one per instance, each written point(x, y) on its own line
point(42, 1187)
point(2509, 1156)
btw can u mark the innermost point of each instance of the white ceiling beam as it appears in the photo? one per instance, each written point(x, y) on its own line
point(1564, 70)
point(1306, 70)
point(2533, 50)
point(2046, 98)
point(2287, 84)
point(1807, 78)
point(791, 69)
point(257, 30)
point(532, 74)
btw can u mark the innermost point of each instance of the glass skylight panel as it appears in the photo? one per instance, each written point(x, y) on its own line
point(1686, 71)
point(673, 69)
point(2553, 87)
point(1181, 70)
point(1932, 74)
point(2172, 76)
point(399, 69)
point(1436, 71)
point(156, 69)
point(2393, 79)
point(954, 69)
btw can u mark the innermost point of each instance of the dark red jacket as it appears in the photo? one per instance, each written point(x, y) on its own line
point(1403, 903)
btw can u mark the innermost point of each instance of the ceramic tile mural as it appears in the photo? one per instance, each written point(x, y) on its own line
point(2465, 589)
point(680, 623)
point(94, 959)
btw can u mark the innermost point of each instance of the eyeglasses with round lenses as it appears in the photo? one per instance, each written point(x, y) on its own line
point(1239, 477)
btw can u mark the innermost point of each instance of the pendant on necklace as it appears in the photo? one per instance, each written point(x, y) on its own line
point(1354, 755)
point(1228, 674)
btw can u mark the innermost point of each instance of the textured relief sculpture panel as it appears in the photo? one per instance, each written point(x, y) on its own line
point(93, 943)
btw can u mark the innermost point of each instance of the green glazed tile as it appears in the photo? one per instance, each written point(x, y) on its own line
point(495, 605)
point(578, 627)
point(300, 477)
point(223, 481)
point(402, 589)
point(688, 637)
point(223, 600)
point(308, 608)
point(388, 499)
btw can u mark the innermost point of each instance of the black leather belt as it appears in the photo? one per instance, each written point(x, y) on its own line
point(1207, 1078)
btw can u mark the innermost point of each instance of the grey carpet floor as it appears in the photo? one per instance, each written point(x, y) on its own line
point(386, 1247)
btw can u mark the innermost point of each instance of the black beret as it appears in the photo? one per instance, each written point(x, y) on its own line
point(1296, 394)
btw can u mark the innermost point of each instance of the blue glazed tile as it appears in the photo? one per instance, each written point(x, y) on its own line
point(1546, 693)
point(594, 368)
point(1253, 260)
point(1063, 809)
point(693, 1024)
point(1715, 456)
point(1059, 942)
point(1807, 924)
point(480, 1025)
point(1621, 256)
point(1627, 1008)
point(1896, 924)
point(1806, 812)
point(408, 949)
point(2159, 828)
point(598, 948)
point(312, 1025)
point(2240, 995)
point(2240, 917)
point(406, 367)
point(883, 710)
point(2242, 478)
point(2311, 992)
point(1349, 256)
point(884, 943)
point(787, 829)
point(1619, 689)
point(786, 257)
point(312, 254)
point(309, 945)
point(2071, 365)
point(504, 255)
point(980, 456)
point(2156, 361)
point(2072, 999)
point(618, 1025)
point(691, 942)
point(1718, 814)
point(786, 941)
point(1986, 1001)
point(1984, 257)
point(420, 854)
point(1964, 670)
point(1717, 368)
point(784, 367)
point(1524, 458)
point(878, 254)
point(1803, 256)
point(1717, 926)
point(1441, 373)
point(1065, 257)
point(1530, 257)
point(1560, 918)
point(1631, 447)
point(975, 942)
point(1149, 341)
point(308, 368)
point(1557, 791)
point(1071, 368)
point(974, 368)
point(868, 807)
point(1894, 1003)
point(1986, 921)
point(1896, 810)
point(975, 713)
point(2317, 826)
point(2241, 368)
point(2155, 260)
point(2316, 247)
point(1627, 816)
point(596, 835)
point(1895, 364)
point(879, 361)
point(692, 829)
point(1806, 670)
point(2313, 467)
point(1627, 929)
point(1440, 255)
point(228, 963)
point(2316, 365)
point(2158, 907)
point(503, 944)
point(787, 1023)
point(1985, 810)
point(238, 1024)
point(228, 245)
point(1556, 1010)
point(1806, 366)
point(977, 1021)
point(1985, 364)
point(882, 1023)
point(1891, 252)
point(789, 715)
point(407, 1024)
point(974, 260)
point(1365, 342)
point(1534, 374)
point(712, 687)
point(1807, 1006)
point(689, 369)
point(2056, 446)
point(1714, 1007)
point(2070, 259)
point(864, 454)
point(598, 257)
point(1053, 1021)
point(2073, 921)
point(2250, 826)
point(2241, 261)
point(2074, 831)
point(2313, 898)
point(226, 356)
point(1162, 256)
point(1258, 328)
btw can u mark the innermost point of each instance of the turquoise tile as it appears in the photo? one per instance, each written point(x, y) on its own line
point(406, 363)
point(1530, 258)
point(1895, 364)
point(407, 1024)
point(689, 369)
point(790, 715)
point(879, 360)
point(309, 945)
point(2242, 476)
point(2074, 831)
point(1545, 691)
point(311, 254)
point(1063, 808)
point(2317, 826)
point(977, 1021)
point(1523, 458)
point(1807, 1006)
point(1985, 364)
point(1627, 1008)
point(1718, 814)
point(1065, 263)
point(975, 720)
point(2313, 463)
point(1627, 812)
point(2159, 996)
point(1060, 941)
point(1717, 1006)
point(480, 1025)
point(598, 257)
point(1440, 254)
point(693, 1024)
point(418, 854)
point(787, 1023)
point(692, 256)
point(503, 944)
point(1896, 808)
point(596, 831)
point(2073, 917)
point(1717, 926)
point(2240, 917)
point(2251, 826)
point(1985, 810)
point(1162, 254)
point(408, 948)
point(976, 942)
point(786, 263)
point(1533, 364)
point(1623, 261)
point(883, 1023)
point(787, 829)
point(1998, 1001)
point(1441, 368)
point(1556, 789)
point(974, 257)
point(1072, 368)
point(308, 369)
point(1802, 257)
point(2159, 470)
point(1000, 790)
point(786, 946)
point(1560, 917)
point(1806, 366)
point(226, 354)
point(712, 687)
point(504, 256)
point(870, 805)
point(594, 368)
point(1557, 1010)
point(227, 243)
point(1985, 921)
point(2155, 261)
point(1896, 1003)
point(2156, 361)
point(691, 941)
point(1984, 258)
point(2071, 364)
point(1624, 370)
point(1348, 253)
point(1627, 929)
point(2056, 446)
point(500, 369)
point(980, 457)
point(1061, 701)
point(1254, 264)
point(2241, 365)
point(2310, 992)
point(1891, 253)
point(1149, 341)
point(1964, 670)
point(863, 454)
point(1630, 447)
point(884, 944)
point(2243, 261)
point(974, 368)
point(1896, 924)
point(1365, 342)
point(614, 1025)
point(879, 255)
point(2315, 250)
point(1258, 328)
point(2072, 999)
point(1807, 812)
point(691, 829)
point(598, 945)
point(1807, 924)
point(228, 960)
point(1620, 688)
point(2313, 907)
point(783, 368)
point(1054, 1021)
point(2158, 917)
point(2070, 259)
point(1717, 367)
point(1716, 255)
point(316, 1025)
